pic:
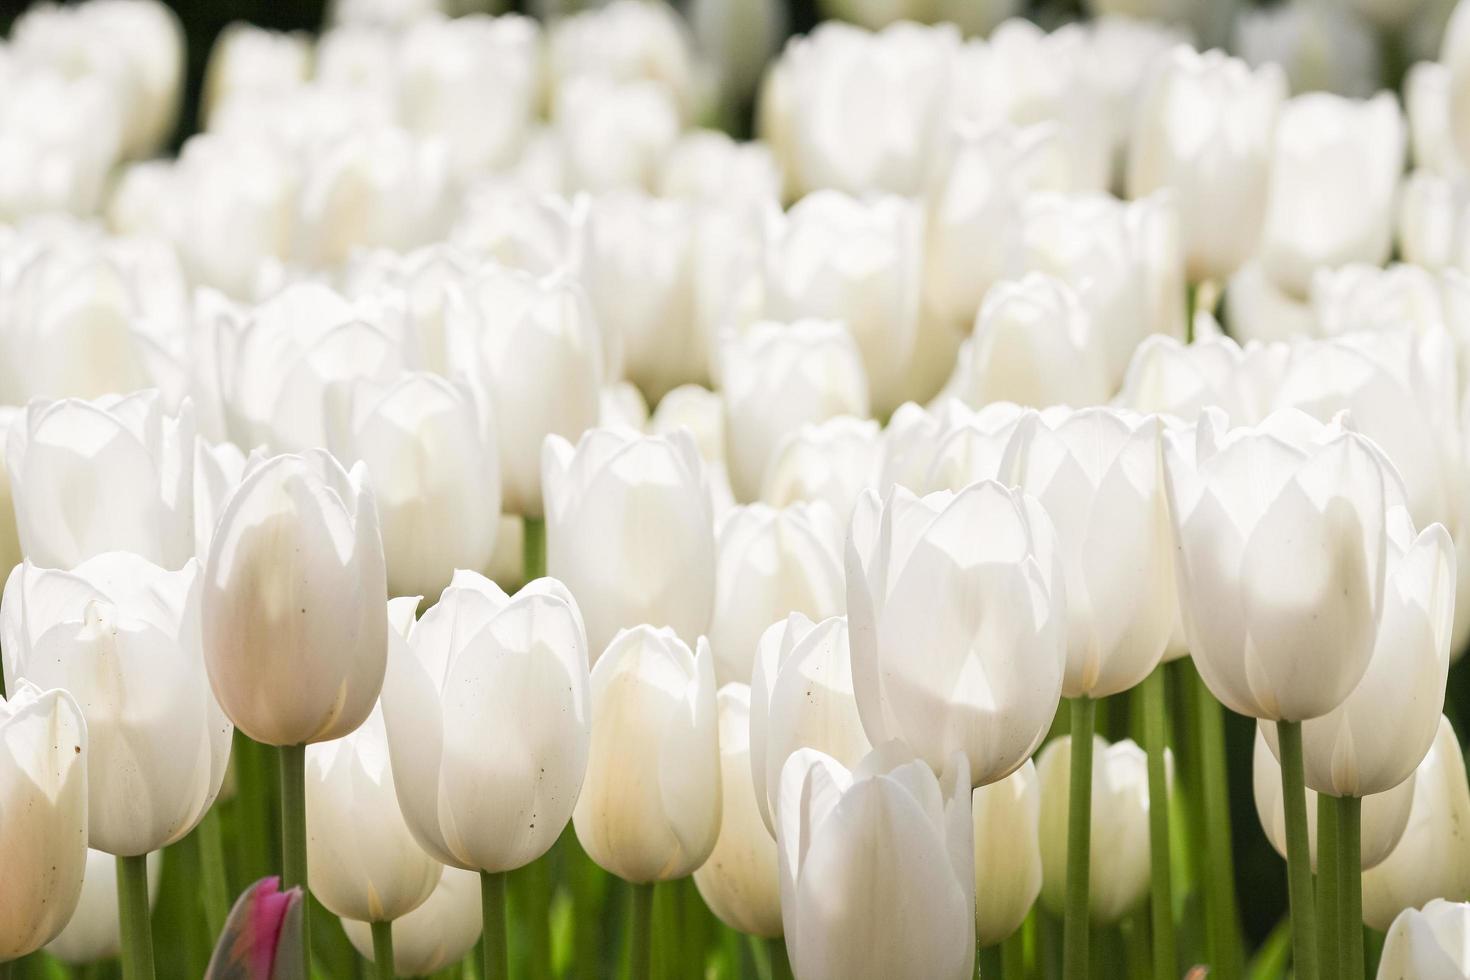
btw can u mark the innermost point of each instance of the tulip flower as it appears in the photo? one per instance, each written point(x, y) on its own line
point(958, 634)
point(1182, 380)
point(801, 697)
point(1294, 35)
point(612, 487)
point(49, 116)
point(710, 166)
point(93, 932)
point(264, 937)
point(776, 378)
point(915, 437)
point(975, 448)
point(1008, 871)
point(246, 59)
point(624, 41)
point(772, 562)
point(739, 880)
point(1218, 167)
point(521, 228)
point(1428, 944)
point(1428, 862)
point(877, 871)
point(1434, 222)
point(430, 452)
point(613, 135)
point(434, 936)
point(831, 461)
point(43, 791)
point(1118, 875)
point(1334, 174)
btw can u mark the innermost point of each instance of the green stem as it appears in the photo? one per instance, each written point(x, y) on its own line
point(533, 556)
point(1328, 885)
point(987, 963)
point(492, 908)
point(133, 917)
point(1218, 860)
point(1161, 898)
point(293, 836)
point(1079, 841)
point(1350, 885)
point(1013, 956)
point(640, 959)
point(214, 887)
point(383, 950)
point(1298, 856)
point(780, 965)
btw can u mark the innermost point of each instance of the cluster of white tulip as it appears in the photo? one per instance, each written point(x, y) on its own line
point(333, 433)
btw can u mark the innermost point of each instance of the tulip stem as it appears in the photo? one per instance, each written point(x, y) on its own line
point(780, 965)
point(1079, 841)
point(533, 551)
point(1215, 807)
point(987, 963)
point(1298, 853)
point(133, 917)
point(383, 950)
point(1328, 884)
point(1161, 898)
point(492, 909)
point(1013, 956)
point(293, 837)
point(640, 959)
point(214, 888)
point(1349, 883)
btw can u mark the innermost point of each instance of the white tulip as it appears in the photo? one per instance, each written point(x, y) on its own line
point(535, 232)
point(958, 634)
point(482, 668)
point(295, 636)
point(832, 461)
point(1124, 54)
point(739, 881)
point(651, 807)
point(621, 405)
point(614, 135)
point(1432, 144)
point(699, 410)
point(1432, 944)
point(1434, 222)
point(434, 936)
point(247, 59)
point(60, 138)
point(709, 165)
point(1321, 47)
point(1203, 16)
point(738, 38)
point(1257, 309)
point(630, 530)
point(877, 870)
point(624, 41)
point(93, 933)
point(913, 437)
point(1007, 821)
point(218, 470)
point(1182, 380)
point(975, 448)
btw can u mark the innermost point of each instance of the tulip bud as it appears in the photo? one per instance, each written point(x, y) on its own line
point(520, 228)
point(1119, 854)
point(65, 457)
point(616, 483)
point(246, 59)
point(122, 636)
point(1280, 560)
point(651, 806)
point(43, 792)
point(1335, 170)
point(63, 140)
point(710, 166)
point(1385, 815)
point(957, 609)
point(859, 261)
point(831, 461)
point(614, 135)
point(1428, 944)
point(699, 410)
point(434, 936)
point(877, 870)
point(1218, 164)
point(771, 563)
point(1182, 380)
point(801, 697)
point(1434, 222)
point(739, 881)
point(624, 41)
point(1006, 816)
point(1432, 145)
point(482, 668)
point(974, 448)
point(1428, 862)
point(93, 933)
point(913, 436)
point(262, 938)
point(295, 637)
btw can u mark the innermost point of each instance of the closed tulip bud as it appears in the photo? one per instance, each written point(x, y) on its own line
point(877, 870)
point(1428, 944)
point(650, 809)
point(248, 59)
point(1119, 854)
point(1434, 222)
point(43, 792)
point(1432, 146)
point(739, 881)
point(614, 135)
point(93, 934)
point(772, 562)
point(957, 610)
point(50, 116)
point(481, 668)
point(858, 261)
point(520, 228)
point(710, 166)
point(1007, 820)
point(1428, 862)
point(430, 452)
point(437, 934)
point(913, 437)
point(801, 697)
point(122, 636)
point(295, 637)
point(974, 449)
point(1034, 344)
point(1276, 638)
point(778, 377)
point(832, 461)
point(617, 483)
point(1218, 165)
point(699, 410)
point(263, 936)
point(65, 458)
point(1099, 474)
point(1384, 817)
point(1334, 178)
point(624, 41)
